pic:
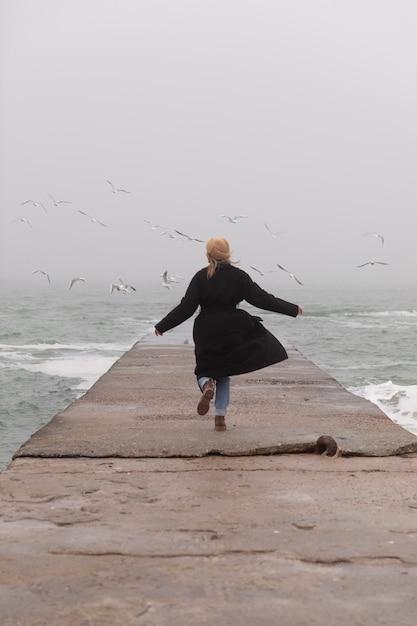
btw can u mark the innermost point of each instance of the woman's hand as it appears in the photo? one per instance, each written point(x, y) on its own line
point(300, 311)
point(157, 333)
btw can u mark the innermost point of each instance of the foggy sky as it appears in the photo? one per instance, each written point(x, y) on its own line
point(300, 114)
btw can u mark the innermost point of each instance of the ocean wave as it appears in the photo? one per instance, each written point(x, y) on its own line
point(83, 362)
point(86, 369)
point(399, 313)
point(399, 402)
point(80, 347)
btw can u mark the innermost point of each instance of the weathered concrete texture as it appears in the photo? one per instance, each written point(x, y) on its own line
point(222, 536)
point(145, 406)
point(294, 540)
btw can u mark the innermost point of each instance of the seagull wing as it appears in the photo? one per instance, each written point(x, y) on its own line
point(183, 234)
point(256, 270)
point(42, 272)
point(22, 219)
point(376, 235)
point(74, 280)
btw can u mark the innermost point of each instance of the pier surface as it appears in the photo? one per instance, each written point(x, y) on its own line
point(129, 509)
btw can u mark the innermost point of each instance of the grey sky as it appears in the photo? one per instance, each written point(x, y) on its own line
point(300, 114)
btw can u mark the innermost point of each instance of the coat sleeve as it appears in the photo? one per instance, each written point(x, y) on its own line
point(255, 295)
point(183, 310)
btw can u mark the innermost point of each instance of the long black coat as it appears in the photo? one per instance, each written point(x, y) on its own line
point(228, 340)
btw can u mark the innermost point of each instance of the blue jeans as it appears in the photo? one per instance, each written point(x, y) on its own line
point(222, 397)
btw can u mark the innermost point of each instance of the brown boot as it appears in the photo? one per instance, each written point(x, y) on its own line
point(219, 422)
point(208, 393)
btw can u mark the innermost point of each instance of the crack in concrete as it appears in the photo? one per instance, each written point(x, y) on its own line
point(275, 450)
point(354, 560)
point(380, 560)
point(159, 555)
point(51, 521)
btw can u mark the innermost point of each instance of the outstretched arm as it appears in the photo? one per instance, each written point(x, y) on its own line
point(182, 311)
point(255, 295)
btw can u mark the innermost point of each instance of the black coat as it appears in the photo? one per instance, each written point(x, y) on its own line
point(228, 340)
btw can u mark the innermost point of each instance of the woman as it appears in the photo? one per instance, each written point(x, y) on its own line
point(228, 340)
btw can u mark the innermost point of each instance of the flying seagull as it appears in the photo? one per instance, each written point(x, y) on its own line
point(122, 287)
point(153, 226)
point(170, 279)
point(291, 275)
point(273, 235)
point(166, 280)
point(35, 204)
point(256, 270)
point(22, 219)
point(372, 263)
point(233, 220)
point(189, 237)
point(170, 235)
point(58, 202)
point(376, 235)
point(44, 273)
point(116, 189)
point(74, 280)
point(93, 219)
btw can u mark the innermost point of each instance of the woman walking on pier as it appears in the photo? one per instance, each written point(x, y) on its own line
point(228, 340)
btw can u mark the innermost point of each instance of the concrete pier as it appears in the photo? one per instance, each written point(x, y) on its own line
point(129, 509)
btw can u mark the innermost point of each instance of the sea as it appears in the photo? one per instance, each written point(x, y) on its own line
point(55, 344)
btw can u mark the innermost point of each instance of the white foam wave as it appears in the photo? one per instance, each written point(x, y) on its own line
point(85, 362)
point(399, 402)
point(82, 347)
point(381, 314)
point(88, 368)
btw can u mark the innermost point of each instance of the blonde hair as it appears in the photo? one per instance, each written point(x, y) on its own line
point(218, 251)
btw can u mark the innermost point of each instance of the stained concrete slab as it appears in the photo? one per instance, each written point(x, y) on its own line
point(181, 525)
point(285, 539)
point(145, 406)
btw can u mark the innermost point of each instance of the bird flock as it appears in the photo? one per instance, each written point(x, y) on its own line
point(167, 280)
point(121, 286)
